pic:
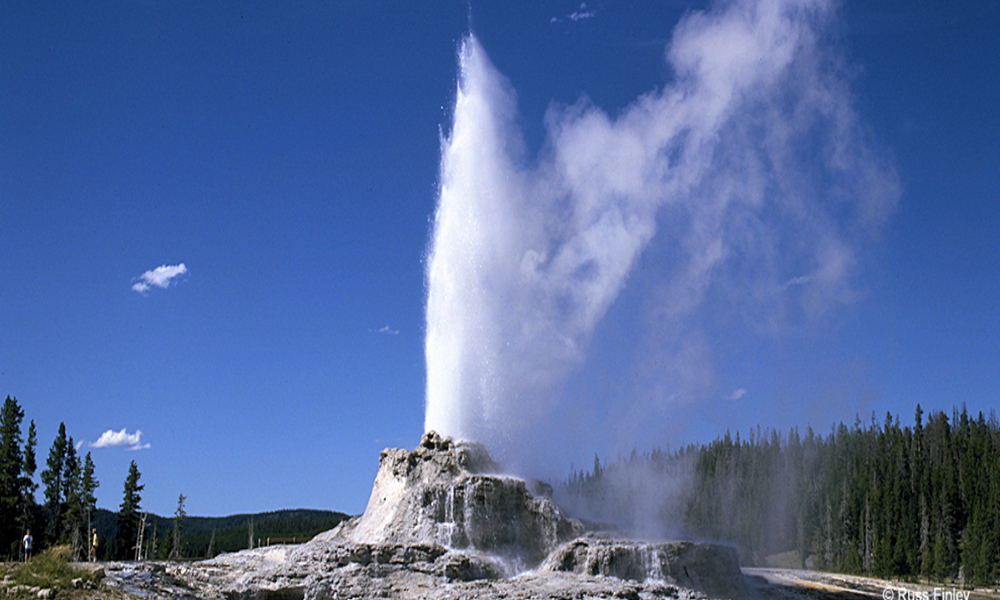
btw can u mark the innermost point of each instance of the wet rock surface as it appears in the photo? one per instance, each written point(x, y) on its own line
point(451, 493)
point(709, 568)
point(442, 523)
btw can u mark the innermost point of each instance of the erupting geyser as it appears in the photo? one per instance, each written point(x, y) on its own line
point(523, 264)
point(755, 149)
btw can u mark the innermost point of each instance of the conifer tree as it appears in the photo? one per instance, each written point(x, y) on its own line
point(179, 514)
point(11, 470)
point(29, 506)
point(88, 485)
point(153, 549)
point(52, 478)
point(73, 513)
point(128, 512)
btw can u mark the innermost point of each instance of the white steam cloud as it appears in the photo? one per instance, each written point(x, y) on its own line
point(751, 164)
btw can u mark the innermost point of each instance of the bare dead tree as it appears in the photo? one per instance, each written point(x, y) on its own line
point(140, 536)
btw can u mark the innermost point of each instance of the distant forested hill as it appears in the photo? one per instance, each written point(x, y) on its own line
point(880, 499)
point(231, 533)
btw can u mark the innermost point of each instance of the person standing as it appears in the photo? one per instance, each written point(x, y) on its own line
point(26, 542)
point(93, 546)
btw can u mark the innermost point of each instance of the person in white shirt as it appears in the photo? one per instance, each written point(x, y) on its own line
point(26, 542)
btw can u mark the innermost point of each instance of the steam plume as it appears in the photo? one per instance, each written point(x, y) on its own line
point(751, 159)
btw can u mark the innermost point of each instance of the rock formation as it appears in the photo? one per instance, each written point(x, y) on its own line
point(442, 522)
point(450, 493)
point(709, 568)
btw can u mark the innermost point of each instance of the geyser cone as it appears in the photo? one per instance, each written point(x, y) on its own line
point(449, 493)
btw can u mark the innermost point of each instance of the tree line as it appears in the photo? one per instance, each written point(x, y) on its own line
point(66, 515)
point(209, 536)
point(69, 510)
point(882, 499)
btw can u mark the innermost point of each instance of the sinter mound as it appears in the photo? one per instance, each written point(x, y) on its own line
point(450, 493)
point(442, 523)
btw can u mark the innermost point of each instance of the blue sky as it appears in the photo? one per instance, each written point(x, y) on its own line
point(288, 157)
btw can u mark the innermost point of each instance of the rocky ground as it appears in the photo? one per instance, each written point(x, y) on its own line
point(162, 580)
point(588, 567)
point(155, 581)
point(443, 524)
point(779, 584)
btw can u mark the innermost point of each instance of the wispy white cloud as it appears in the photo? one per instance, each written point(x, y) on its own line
point(121, 439)
point(160, 277)
point(388, 331)
point(577, 15)
point(737, 394)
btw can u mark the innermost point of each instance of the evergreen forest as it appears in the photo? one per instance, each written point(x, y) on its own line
point(882, 499)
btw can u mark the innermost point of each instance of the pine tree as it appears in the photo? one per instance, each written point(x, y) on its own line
point(925, 528)
point(869, 541)
point(179, 514)
point(940, 567)
point(88, 485)
point(73, 513)
point(11, 469)
point(29, 507)
point(128, 512)
point(52, 477)
point(152, 550)
point(971, 555)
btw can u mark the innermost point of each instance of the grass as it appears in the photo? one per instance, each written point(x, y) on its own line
point(50, 569)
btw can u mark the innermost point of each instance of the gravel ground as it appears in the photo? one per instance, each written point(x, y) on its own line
point(790, 584)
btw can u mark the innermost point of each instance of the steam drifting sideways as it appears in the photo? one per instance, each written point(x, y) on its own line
point(751, 161)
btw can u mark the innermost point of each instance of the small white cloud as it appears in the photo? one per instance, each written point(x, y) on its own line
point(800, 280)
point(581, 13)
point(120, 439)
point(736, 394)
point(389, 331)
point(577, 15)
point(159, 277)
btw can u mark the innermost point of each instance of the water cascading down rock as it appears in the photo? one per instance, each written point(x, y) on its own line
point(451, 493)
